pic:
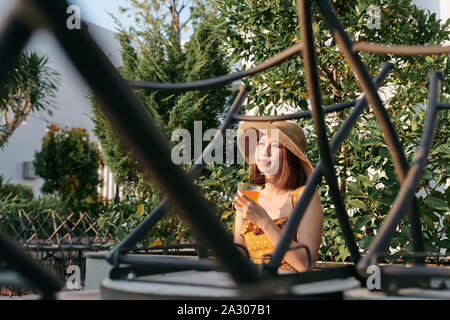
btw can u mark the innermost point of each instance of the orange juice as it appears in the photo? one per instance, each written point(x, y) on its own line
point(252, 194)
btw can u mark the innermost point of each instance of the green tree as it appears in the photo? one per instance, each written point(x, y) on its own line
point(30, 88)
point(151, 51)
point(203, 60)
point(68, 162)
point(254, 31)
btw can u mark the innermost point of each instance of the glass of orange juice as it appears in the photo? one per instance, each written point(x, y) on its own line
point(251, 190)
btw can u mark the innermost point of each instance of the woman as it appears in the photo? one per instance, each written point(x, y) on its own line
point(277, 160)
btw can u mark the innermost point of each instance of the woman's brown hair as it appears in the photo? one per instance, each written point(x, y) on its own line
point(292, 173)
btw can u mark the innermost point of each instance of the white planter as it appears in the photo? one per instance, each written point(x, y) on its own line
point(97, 268)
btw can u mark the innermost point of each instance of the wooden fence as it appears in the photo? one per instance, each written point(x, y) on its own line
point(56, 240)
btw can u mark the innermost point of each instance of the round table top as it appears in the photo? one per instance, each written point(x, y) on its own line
point(207, 285)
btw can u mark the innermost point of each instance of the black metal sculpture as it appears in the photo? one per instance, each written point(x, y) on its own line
point(141, 136)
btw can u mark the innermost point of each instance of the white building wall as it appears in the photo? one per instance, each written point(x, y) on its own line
point(440, 7)
point(72, 107)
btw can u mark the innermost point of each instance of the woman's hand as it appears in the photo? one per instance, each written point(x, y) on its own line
point(251, 210)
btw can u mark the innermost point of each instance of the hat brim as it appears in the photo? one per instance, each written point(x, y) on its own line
point(248, 151)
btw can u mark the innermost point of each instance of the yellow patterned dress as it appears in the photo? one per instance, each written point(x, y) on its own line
point(258, 244)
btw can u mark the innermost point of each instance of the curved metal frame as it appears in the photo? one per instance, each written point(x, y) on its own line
point(409, 187)
point(210, 83)
point(400, 50)
point(141, 136)
point(381, 115)
point(312, 80)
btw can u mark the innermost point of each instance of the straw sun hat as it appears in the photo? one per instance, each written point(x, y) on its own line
point(290, 135)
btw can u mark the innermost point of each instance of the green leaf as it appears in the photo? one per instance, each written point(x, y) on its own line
point(413, 125)
point(436, 203)
point(361, 222)
point(444, 244)
point(365, 241)
point(343, 252)
point(356, 203)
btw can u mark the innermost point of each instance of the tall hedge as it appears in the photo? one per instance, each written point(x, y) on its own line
point(154, 54)
point(151, 51)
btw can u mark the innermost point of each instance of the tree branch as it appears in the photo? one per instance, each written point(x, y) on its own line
point(332, 79)
point(181, 9)
point(11, 103)
point(19, 115)
point(27, 105)
point(5, 117)
point(185, 23)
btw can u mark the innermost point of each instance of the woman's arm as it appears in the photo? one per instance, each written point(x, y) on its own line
point(309, 233)
point(238, 223)
point(310, 229)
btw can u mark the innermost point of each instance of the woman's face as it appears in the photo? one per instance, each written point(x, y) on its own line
point(268, 155)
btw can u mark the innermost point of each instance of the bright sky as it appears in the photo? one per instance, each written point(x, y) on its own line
point(96, 11)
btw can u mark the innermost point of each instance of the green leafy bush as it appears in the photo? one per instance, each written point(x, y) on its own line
point(19, 190)
point(217, 184)
point(14, 205)
point(68, 162)
point(16, 213)
point(122, 217)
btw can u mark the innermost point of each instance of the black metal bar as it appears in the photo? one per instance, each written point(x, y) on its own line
point(408, 189)
point(163, 260)
point(14, 33)
point(15, 280)
point(395, 148)
point(312, 79)
point(272, 286)
point(314, 180)
point(13, 36)
point(164, 247)
point(33, 272)
point(140, 232)
point(305, 114)
point(193, 173)
point(209, 83)
point(415, 271)
point(130, 119)
point(401, 50)
point(443, 105)
point(377, 255)
point(237, 105)
point(145, 265)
